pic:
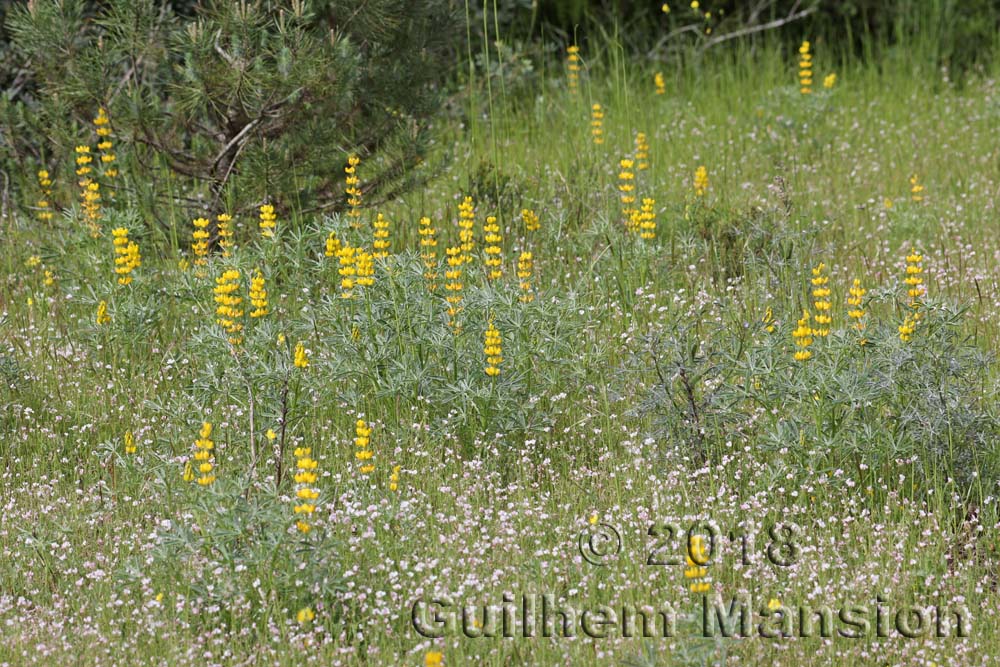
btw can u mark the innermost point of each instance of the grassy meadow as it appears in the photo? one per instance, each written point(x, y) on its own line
point(477, 432)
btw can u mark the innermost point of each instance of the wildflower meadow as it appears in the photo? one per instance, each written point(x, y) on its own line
point(533, 334)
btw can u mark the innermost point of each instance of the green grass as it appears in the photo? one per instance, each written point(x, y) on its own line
point(639, 388)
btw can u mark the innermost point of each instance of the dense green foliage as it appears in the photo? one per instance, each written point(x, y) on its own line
point(261, 99)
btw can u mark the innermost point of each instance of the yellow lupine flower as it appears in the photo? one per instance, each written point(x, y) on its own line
point(701, 181)
point(626, 189)
point(347, 257)
point(805, 69)
point(493, 350)
point(199, 241)
point(916, 190)
point(381, 237)
point(597, 124)
point(229, 311)
point(305, 477)
point(802, 337)
point(127, 257)
point(428, 252)
point(267, 222)
point(362, 442)
point(352, 188)
point(102, 314)
point(223, 223)
point(301, 356)
point(530, 218)
point(572, 66)
point(493, 249)
point(204, 456)
point(646, 220)
point(821, 300)
point(258, 296)
point(466, 234)
point(525, 267)
point(453, 285)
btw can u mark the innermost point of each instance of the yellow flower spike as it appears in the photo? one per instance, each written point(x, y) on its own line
point(466, 234)
point(492, 350)
point(352, 188)
point(915, 290)
point(493, 249)
point(129, 440)
point(626, 189)
point(530, 219)
point(229, 309)
point(641, 151)
point(267, 222)
point(301, 356)
point(45, 188)
point(428, 252)
point(646, 220)
point(364, 269)
point(768, 320)
point(659, 82)
point(572, 67)
point(906, 329)
point(347, 258)
point(381, 237)
point(701, 183)
point(802, 337)
point(223, 225)
point(102, 314)
point(855, 298)
point(258, 296)
point(697, 570)
point(916, 190)
point(332, 245)
point(805, 69)
point(204, 455)
point(525, 267)
point(305, 477)
point(127, 257)
point(821, 301)
point(199, 241)
point(362, 442)
point(597, 124)
point(453, 286)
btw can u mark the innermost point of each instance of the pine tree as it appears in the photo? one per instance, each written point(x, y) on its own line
point(250, 101)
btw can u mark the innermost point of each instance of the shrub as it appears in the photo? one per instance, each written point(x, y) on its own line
point(251, 101)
